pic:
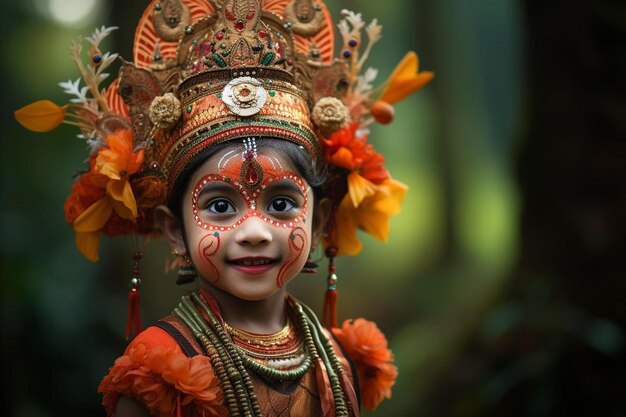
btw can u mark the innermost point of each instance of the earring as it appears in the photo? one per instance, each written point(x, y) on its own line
point(186, 271)
point(329, 317)
point(310, 267)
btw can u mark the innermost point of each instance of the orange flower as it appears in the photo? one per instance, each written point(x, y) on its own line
point(41, 116)
point(348, 149)
point(112, 167)
point(159, 378)
point(405, 79)
point(368, 207)
point(366, 345)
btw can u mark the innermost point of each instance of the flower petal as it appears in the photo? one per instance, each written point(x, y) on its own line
point(95, 217)
point(403, 88)
point(359, 188)
point(344, 235)
point(343, 158)
point(405, 79)
point(122, 192)
point(87, 243)
point(41, 116)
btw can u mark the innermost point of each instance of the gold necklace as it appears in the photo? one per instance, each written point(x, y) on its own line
point(260, 339)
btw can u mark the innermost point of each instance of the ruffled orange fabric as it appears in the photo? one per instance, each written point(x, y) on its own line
point(163, 379)
point(366, 345)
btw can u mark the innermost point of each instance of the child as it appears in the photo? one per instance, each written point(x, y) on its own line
point(238, 136)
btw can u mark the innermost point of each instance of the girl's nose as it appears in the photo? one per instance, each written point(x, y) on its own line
point(253, 231)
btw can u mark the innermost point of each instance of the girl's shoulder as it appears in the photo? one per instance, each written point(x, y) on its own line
point(164, 375)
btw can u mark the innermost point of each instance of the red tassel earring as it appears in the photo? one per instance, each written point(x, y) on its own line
point(133, 320)
point(329, 316)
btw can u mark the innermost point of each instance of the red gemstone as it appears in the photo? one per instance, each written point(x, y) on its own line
point(262, 34)
point(239, 25)
point(290, 62)
point(219, 36)
point(251, 175)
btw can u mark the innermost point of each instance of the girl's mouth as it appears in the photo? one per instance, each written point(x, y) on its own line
point(253, 265)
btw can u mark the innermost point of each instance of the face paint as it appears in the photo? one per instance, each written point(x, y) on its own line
point(297, 244)
point(208, 246)
point(233, 202)
point(251, 195)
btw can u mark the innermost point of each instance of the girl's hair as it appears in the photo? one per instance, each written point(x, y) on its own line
point(313, 172)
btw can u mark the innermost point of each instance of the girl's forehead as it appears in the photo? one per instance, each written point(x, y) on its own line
point(232, 157)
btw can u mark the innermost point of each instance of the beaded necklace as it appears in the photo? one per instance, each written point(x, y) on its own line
point(231, 364)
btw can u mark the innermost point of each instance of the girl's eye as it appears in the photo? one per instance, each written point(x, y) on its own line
point(281, 204)
point(221, 206)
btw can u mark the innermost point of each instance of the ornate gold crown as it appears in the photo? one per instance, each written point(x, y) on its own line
point(206, 72)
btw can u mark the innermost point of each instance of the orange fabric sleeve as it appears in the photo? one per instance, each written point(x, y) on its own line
point(154, 371)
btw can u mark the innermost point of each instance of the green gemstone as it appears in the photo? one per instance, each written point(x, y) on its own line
point(189, 108)
point(272, 93)
point(216, 234)
point(218, 95)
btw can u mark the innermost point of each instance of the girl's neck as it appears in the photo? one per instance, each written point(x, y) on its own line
point(263, 317)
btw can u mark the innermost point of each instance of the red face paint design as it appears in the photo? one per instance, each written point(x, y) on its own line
point(209, 245)
point(271, 175)
point(297, 244)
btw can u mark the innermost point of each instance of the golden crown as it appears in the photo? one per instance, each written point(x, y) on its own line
point(206, 72)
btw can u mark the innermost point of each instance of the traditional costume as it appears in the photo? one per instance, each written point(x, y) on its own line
point(207, 72)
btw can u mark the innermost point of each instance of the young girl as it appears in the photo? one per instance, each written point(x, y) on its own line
point(238, 136)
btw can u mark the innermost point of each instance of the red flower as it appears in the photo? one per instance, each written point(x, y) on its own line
point(367, 347)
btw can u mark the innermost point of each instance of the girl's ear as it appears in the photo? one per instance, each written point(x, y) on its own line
point(320, 218)
point(171, 228)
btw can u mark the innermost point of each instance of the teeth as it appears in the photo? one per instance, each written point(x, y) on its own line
point(251, 263)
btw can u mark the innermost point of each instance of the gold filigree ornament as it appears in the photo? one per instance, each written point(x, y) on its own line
point(244, 96)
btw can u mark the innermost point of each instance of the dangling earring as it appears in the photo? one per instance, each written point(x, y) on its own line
point(310, 267)
point(186, 271)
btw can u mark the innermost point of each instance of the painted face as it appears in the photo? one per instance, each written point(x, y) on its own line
point(248, 222)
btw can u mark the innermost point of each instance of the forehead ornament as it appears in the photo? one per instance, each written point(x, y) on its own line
point(244, 96)
point(251, 173)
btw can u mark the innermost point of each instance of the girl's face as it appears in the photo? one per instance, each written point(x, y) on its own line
point(248, 222)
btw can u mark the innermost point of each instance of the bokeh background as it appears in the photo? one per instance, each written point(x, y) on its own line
point(502, 286)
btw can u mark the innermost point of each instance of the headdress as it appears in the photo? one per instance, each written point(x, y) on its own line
point(208, 71)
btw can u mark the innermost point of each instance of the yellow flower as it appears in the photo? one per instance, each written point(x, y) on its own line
point(113, 165)
point(41, 116)
point(405, 79)
point(368, 207)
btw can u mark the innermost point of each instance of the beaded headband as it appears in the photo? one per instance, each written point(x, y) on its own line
point(209, 71)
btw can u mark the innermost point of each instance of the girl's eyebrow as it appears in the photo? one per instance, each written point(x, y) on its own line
point(286, 185)
point(216, 187)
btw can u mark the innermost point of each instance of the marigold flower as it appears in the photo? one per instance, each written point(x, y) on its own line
point(347, 149)
point(405, 79)
point(366, 345)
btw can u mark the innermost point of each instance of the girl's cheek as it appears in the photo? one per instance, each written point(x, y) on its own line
point(208, 247)
point(297, 242)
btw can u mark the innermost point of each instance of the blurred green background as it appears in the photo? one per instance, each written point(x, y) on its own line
point(501, 289)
